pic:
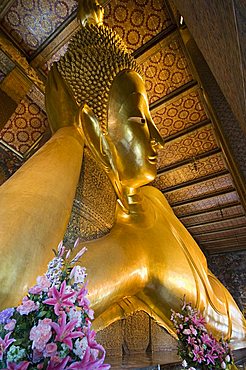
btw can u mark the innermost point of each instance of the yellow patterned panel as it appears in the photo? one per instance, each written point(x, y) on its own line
point(204, 167)
point(183, 112)
point(195, 230)
point(165, 67)
point(213, 216)
point(209, 203)
point(187, 146)
point(200, 189)
point(25, 126)
point(137, 21)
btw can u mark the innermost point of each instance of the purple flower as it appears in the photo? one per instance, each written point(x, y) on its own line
point(4, 344)
point(5, 315)
point(57, 363)
point(20, 366)
point(27, 306)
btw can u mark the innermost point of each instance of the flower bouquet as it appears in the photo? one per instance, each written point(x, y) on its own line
point(198, 348)
point(51, 328)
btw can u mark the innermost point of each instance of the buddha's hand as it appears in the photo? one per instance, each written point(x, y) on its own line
point(61, 107)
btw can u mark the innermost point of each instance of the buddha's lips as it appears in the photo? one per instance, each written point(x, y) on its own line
point(152, 159)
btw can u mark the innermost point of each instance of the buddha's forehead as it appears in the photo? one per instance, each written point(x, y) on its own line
point(125, 85)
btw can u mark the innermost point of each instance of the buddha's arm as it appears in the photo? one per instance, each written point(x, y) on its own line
point(35, 205)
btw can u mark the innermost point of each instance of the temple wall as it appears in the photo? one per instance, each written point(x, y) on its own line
point(230, 270)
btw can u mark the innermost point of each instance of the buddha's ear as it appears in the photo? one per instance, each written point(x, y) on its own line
point(94, 137)
point(102, 148)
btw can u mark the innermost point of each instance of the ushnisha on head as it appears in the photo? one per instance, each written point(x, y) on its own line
point(103, 75)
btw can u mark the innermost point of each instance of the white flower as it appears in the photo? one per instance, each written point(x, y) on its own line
point(228, 358)
point(184, 364)
point(75, 315)
point(192, 368)
point(80, 347)
point(78, 273)
point(223, 365)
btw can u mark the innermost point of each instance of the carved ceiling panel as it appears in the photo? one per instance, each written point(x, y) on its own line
point(203, 188)
point(179, 114)
point(187, 146)
point(236, 233)
point(6, 65)
point(25, 127)
point(217, 201)
point(31, 22)
point(219, 215)
point(9, 163)
point(165, 68)
point(188, 172)
point(224, 224)
point(137, 21)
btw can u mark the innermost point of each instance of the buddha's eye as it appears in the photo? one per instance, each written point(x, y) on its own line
point(139, 120)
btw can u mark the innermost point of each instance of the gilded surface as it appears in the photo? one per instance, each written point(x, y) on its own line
point(149, 259)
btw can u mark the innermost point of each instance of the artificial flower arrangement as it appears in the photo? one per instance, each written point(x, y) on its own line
point(198, 348)
point(51, 328)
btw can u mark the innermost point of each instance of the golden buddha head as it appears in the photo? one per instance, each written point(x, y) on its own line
point(120, 131)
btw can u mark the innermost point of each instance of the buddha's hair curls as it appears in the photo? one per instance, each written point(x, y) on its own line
point(95, 56)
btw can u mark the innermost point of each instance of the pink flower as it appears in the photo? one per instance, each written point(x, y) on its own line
point(198, 321)
point(10, 325)
point(187, 331)
point(64, 331)
point(20, 366)
point(43, 282)
point(81, 298)
point(4, 344)
point(27, 306)
point(198, 354)
point(50, 350)
point(35, 289)
point(60, 298)
point(210, 357)
point(41, 334)
point(57, 363)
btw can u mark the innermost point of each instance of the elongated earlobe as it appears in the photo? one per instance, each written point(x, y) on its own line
point(102, 148)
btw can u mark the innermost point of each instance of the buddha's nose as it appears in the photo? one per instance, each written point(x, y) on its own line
point(156, 139)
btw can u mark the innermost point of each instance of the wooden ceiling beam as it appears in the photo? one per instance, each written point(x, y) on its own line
point(224, 239)
point(202, 197)
point(187, 161)
point(217, 208)
point(207, 223)
point(195, 181)
point(222, 229)
point(180, 90)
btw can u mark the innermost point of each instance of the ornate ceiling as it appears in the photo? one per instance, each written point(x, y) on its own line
point(196, 168)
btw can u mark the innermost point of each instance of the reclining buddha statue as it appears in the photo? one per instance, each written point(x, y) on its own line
point(95, 95)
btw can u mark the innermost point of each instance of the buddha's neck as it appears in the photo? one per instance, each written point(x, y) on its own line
point(138, 208)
